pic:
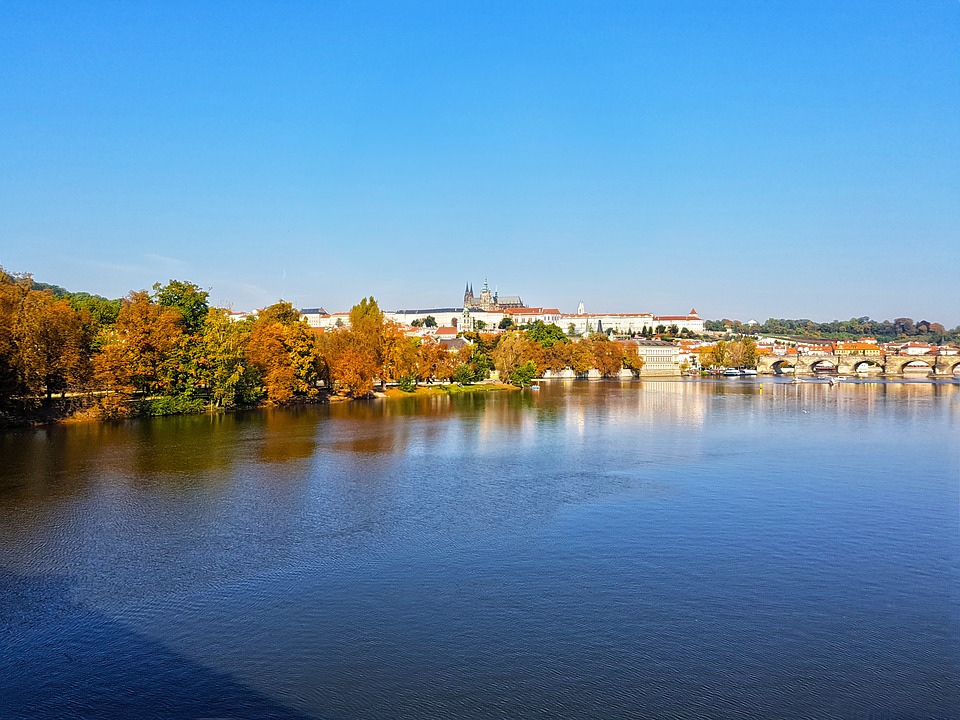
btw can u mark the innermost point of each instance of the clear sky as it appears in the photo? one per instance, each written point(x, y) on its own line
point(749, 158)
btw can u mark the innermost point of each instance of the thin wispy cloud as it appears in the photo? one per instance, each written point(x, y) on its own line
point(163, 259)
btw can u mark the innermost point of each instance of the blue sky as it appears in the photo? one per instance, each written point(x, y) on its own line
point(752, 159)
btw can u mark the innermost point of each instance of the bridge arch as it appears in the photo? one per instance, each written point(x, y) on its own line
point(953, 367)
point(823, 366)
point(916, 365)
point(897, 364)
point(863, 365)
point(780, 367)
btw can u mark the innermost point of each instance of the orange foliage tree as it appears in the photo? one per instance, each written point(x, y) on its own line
point(145, 336)
point(435, 362)
point(51, 348)
point(283, 348)
point(607, 355)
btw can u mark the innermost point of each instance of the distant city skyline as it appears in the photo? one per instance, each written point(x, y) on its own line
point(752, 160)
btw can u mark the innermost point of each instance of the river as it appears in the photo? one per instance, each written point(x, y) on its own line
point(720, 548)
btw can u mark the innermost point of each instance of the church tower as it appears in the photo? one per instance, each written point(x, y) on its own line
point(486, 297)
point(468, 301)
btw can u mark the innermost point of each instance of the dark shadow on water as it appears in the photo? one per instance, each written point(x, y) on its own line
point(61, 662)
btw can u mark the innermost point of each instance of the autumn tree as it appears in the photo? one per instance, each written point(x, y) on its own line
point(558, 356)
point(147, 335)
point(283, 348)
point(581, 357)
point(434, 362)
point(741, 353)
point(714, 356)
point(50, 345)
point(511, 352)
point(367, 350)
point(400, 353)
point(12, 293)
point(632, 359)
point(352, 371)
point(607, 355)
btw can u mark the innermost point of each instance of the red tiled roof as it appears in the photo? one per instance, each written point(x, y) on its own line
point(531, 311)
point(603, 315)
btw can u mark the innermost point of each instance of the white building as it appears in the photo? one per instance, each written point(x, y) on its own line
point(660, 359)
point(314, 316)
point(621, 323)
point(691, 321)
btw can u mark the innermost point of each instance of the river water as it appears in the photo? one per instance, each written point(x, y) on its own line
point(677, 549)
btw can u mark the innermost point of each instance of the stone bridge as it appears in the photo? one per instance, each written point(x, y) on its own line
point(939, 365)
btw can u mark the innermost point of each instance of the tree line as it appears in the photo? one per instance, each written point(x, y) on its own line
point(168, 351)
point(887, 330)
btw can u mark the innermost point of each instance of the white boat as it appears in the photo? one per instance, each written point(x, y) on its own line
point(750, 372)
point(731, 372)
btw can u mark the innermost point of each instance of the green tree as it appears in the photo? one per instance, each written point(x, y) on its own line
point(463, 374)
point(102, 312)
point(188, 299)
point(224, 369)
point(430, 321)
point(281, 312)
point(523, 374)
point(546, 335)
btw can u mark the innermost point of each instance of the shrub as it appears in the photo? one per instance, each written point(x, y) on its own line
point(171, 405)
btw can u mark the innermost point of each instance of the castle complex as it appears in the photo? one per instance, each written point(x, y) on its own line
point(489, 310)
point(489, 302)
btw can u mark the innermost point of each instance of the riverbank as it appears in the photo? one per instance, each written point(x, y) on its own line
point(39, 412)
point(451, 389)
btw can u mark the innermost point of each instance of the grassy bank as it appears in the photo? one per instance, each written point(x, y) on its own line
point(452, 389)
